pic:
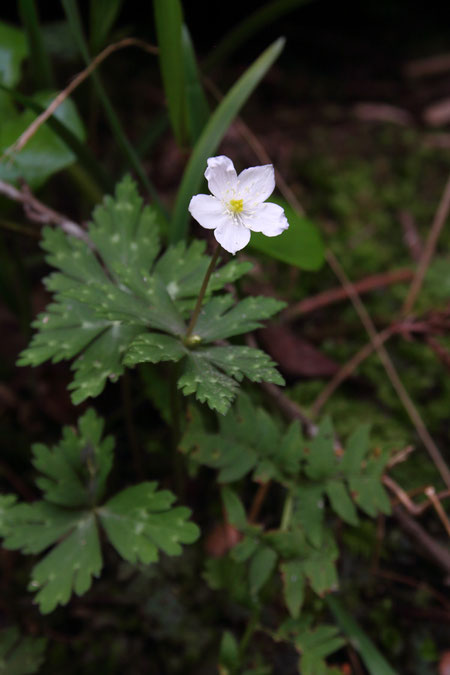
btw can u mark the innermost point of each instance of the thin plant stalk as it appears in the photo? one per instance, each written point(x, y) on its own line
point(201, 295)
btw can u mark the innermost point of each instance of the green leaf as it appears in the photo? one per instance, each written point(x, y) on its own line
point(103, 14)
point(319, 567)
point(218, 320)
point(356, 450)
point(13, 50)
point(213, 133)
point(139, 521)
point(300, 245)
point(320, 456)
point(95, 313)
point(153, 348)
point(20, 655)
point(315, 645)
point(309, 511)
point(169, 27)
point(196, 103)
point(109, 303)
point(247, 436)
point(229, 652)
point(75, 470)
point(234, 508)
point(293, 586)
point(341, 502)
point(262, 565)
point(46, 153)
point(373, 659)
point(69, 567)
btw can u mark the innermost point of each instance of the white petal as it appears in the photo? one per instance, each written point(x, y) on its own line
point(268, 218)
point(221, 176)
point(256, 184)
point(208, 211)
point(233, 236)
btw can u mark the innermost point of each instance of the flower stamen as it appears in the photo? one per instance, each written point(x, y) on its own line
point(236, 205)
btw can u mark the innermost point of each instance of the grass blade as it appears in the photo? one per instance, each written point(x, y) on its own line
point(213, 133)
point(73, 17)
point(196, 103)
point(102, 15)
point(373, 659)
point(40, 63)
point(248, 27)
point(169, 26)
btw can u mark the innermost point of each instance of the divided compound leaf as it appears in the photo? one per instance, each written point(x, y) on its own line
point(139, 521)
point(119, 302)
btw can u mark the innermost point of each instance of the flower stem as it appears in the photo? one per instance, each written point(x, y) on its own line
point(201, 295)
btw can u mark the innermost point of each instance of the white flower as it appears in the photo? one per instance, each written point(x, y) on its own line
point(236, 205)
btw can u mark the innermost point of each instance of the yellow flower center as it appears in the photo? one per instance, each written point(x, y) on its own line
point(236, 205)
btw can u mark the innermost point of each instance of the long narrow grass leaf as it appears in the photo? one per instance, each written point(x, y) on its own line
point(169, 25)
point(214, 132)
point(131, 155)
point(40, 62)
point(102, 15)
point(373, 659)
point(196, 103)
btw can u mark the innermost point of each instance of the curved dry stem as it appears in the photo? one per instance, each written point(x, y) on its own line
point(65, 93)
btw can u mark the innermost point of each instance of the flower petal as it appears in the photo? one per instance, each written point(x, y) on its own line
point(256, 184)
point(267, 218)
point(208, 211)
point(221, 176)
point(232, 236)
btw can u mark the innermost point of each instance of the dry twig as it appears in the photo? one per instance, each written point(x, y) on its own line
point(38, 212)
point(65, 93)
point(334, 295)
point(428, 251)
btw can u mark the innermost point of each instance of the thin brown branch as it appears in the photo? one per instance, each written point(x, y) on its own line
point(427, 546)
point(348, 369)
point(432, 496)
point(65, 93)
point(338, 294)
point(429, 248)
point(38, 212)
point(258, 501)
point(391, 371)
point(414, 583)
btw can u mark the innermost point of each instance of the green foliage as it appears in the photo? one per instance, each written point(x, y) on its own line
point(313, 643)
point(46, 153)
point(13, 51)
point(107, 300)
point(300, 245)
point(373, 659)
point(249, 440)
point(139, 521)
point(20, 655)
point(169, 28)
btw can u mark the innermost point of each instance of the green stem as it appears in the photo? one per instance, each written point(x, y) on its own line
point(250, 629)
point(287, 512)
point(201, 295)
